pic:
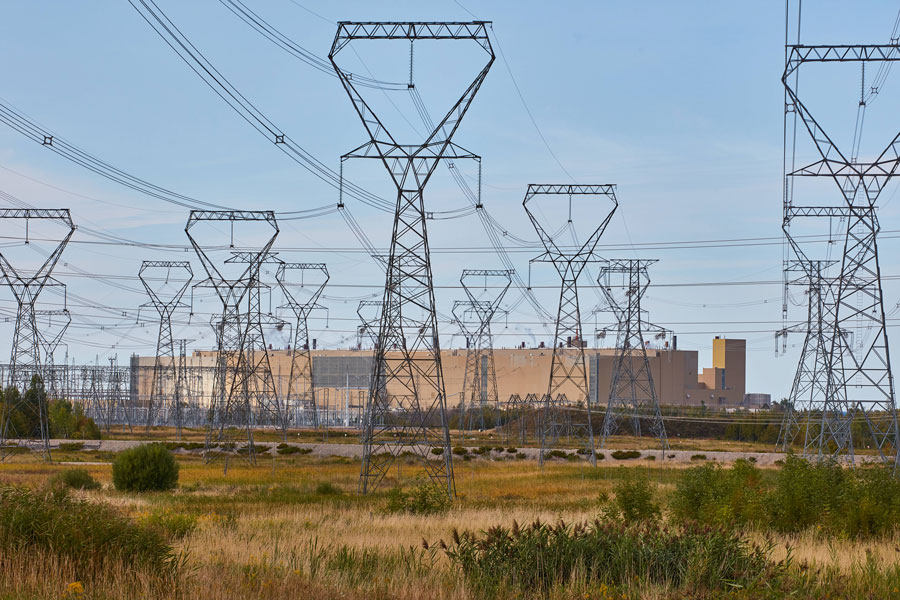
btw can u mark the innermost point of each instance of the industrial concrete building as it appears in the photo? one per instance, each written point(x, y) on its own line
point(342, 376)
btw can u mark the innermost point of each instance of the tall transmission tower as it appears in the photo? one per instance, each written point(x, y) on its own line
point(632, 393)
point(231, 413)
point(117, 406)
point(301, 384)
point(52, 325)
point(165, 296)
point(480, 378)
point(265, 402)
point(25, 361)
point(858, 379)
point(181, 396)
point(568, 371)
point(810, 385)
point(408, 381)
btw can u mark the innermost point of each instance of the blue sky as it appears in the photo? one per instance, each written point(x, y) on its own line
point(679, 104)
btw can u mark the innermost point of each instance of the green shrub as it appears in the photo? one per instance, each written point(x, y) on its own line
point(625, 454)
point(327, 489)
point(698, 457)
point(512, 450)
point(521, 455)
point(70, 446)
point(424, 498)
point(600, 456)
point(90, 535)
point(437, 451)
point(77, 479)
point(145, 468)
point(870, 503)
point(634, 500)
point(556, 454)
point(170, 523)
point(803, 492)
point(650, 457)
point(292, 450)
point(712, 494)
point(539, 558)
point(460, 451)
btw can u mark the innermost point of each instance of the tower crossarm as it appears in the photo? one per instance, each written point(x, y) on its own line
point(555, 252)
point(422, 30)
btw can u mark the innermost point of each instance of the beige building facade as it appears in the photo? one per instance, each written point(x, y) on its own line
point(342, 376)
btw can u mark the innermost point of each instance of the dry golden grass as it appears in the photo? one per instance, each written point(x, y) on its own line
point(265, 532)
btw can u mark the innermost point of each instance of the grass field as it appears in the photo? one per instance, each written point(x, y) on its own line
point(294, 527)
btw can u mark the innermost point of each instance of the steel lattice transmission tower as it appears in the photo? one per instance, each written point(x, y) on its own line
point(568, 370)
point(165, 301)
point(408, 382)
point(858, 379)
point(810, 384)
point(480, 378)
point(52, 325)
point(632, 393)
point(230, 416)
point(301, 384)
point(265, 402)
point(25, 361)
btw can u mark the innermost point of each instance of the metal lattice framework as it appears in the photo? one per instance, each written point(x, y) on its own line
point(857, 371)
point(182, 392)
point(406, 408)
point(118, 408)
point(25, 361)
point(52, 325)
point(568, 368)
point(810, 385)
point(369, 312)
point(474, 318)
point(301, 385)
point(236, 374)
point(165, 301)
point(260, 384)
point(632, 393)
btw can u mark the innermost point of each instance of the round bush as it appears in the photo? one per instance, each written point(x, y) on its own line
point(145, 468)
point(77, 479)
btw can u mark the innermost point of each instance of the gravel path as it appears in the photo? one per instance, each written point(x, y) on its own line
point(355, 451)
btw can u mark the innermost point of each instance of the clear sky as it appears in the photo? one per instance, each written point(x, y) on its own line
point(678, 103)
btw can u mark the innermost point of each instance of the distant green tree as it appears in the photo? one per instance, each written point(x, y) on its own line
point(70, 422)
